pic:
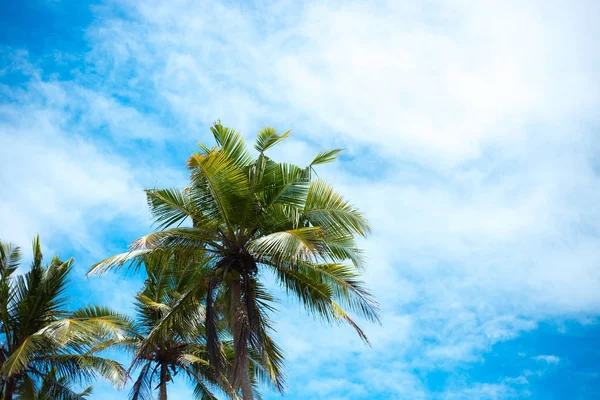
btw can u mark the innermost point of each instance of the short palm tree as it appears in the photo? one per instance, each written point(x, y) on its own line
point(164, 349)
point(178, 345)
point(253, 215)
point(42, 344)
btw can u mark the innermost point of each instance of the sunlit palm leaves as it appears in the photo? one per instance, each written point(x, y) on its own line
point(43, 346)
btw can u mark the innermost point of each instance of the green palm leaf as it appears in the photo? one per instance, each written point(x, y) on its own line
point(325, 157)
point(294, 244)
point(232, 144)
point(170, 206)
point(267, 138)
point(117, 261)
point(219, 187)
point(9, 259)
point(23, 355)
point(326, 208)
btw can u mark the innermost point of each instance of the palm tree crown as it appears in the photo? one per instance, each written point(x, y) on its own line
point(250, 216)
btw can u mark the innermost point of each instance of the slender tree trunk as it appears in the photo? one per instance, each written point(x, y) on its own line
point(9, 389)
point(239, 344)
point(162, 387)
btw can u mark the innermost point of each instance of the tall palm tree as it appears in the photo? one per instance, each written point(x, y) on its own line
point(252, 216)
point(41, 342)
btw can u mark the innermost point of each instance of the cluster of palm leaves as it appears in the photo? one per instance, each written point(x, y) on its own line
point(46, 350)
point(163, 348)
point(205, 311)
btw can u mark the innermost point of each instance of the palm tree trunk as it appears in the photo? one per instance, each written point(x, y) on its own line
point(239, 344)
point(162, 387)
point(9, 389)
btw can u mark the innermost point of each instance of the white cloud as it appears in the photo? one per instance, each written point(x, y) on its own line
point(58, 184)
point(547, 359)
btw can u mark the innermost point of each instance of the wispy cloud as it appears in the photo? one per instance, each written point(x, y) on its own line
point(547, 359)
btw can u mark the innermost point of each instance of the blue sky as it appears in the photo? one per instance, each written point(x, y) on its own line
point(470, 131)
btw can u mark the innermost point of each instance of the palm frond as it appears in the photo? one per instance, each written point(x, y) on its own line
point(319, 295)
point(147, 302)
point(10, 256)
point(183, 238)
point(220, 187)
point(202, 391)
point(170, 206)
point(9, 262)
point(103, 322)
point(346, 286)
point(83, 367)
point(267, 138)
point(341, 314)
point(232, 144)
point(37, 252)
point(54, 387)
point(283, 184)
point(27, 389)
point(23, 355)
point(291, 245)
point(326, 208)
point(267, 365)
point(341, 246)
point(326, 156)
point(133, 257)
point(142, 387)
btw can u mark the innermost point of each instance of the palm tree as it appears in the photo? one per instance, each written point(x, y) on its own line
point(252, 216)
point(180, 346)
point(43, 345)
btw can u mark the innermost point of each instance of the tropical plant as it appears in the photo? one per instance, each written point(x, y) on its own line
point(179, 344)
point(43, 347)
point(251, 216)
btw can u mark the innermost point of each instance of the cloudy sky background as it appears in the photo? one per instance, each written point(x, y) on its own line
point(470, 131)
